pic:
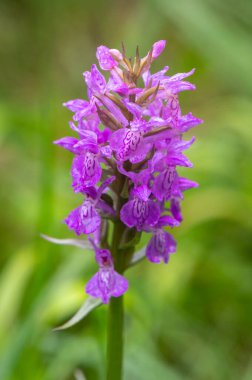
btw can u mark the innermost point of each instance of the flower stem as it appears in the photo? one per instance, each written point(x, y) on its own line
point(115, 316)
point(115, 339)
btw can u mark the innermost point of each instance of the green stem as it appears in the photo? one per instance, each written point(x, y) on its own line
point(115, 315)
point(115, 339)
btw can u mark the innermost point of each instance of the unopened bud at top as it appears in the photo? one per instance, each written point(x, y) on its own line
point(158, 48)
point(105, 58)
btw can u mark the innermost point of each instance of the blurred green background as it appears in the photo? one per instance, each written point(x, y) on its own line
point(190, 320)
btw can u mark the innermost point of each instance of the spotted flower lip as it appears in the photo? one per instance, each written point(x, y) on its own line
point(128, 145)
point(106, 283)
point(86, 219)
point(161, 245)
point(140, 213)
point(128, 151)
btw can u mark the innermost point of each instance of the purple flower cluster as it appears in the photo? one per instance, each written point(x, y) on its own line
point(129, 145)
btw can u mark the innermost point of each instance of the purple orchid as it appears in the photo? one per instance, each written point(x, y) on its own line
point(86, 219)
point(86, 169)
point(160, 246)
point(140, 212)
point(127, 156)
point(106, 282)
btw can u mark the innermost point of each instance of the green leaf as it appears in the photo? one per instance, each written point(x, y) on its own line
point(75, 242)
point(89, 305)
point(138, 256)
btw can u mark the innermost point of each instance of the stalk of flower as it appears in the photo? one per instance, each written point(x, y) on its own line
point(127, 154)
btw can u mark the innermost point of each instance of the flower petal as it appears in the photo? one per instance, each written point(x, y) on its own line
point(76, 104)
point(164, 183)
point(140, 213)
point(105, 58)
point(91, 287)
point(67, 143)
point(158, 48)
point(176, 209)
point(84, 219)
point(121, 285)
point(86, 171)
point(160, 246)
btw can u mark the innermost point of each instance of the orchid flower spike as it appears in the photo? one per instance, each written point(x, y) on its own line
point(128, 151)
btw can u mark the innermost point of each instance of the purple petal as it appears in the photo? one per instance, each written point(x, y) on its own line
point(76, 105)
point(179, 159)
point(180, 76)
point(180, 86)
point(146, 77)
point(158, 48)
point(84, 145)
point(121, 285)
point(84, 219)
point(126, 214)
point(67, 143)
point(141, 152)
point(172, 108)
point(89, 136)
point(176, 209)
point(142, 177)
point(142, 192)
point(92, 288)
point(87, 78)
point(117, 54)
point(163, 184)
point(158, 122)
point(73, 221)
point(153, 213)
point(114, 110)
point(182, 144)
point(105, 284)
point(86, 125)
point(105, 184)
point(159, 75)
point(90, 192)
point(186, 184)
point(106, 151)
point(140, 213)
point(103, 257)
point(97, 79)
point(105, 208)
point(126, 142)
point(122, 89)
point(103, 137)
point(116, 138)
point(85, 111)
point(105, 58)
point(167, 220)
point(188, 121)
point(88, 142)
point(116, 84)
point(160, 246)
point(133, 108)
point(86, 171)
point(89, 217)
